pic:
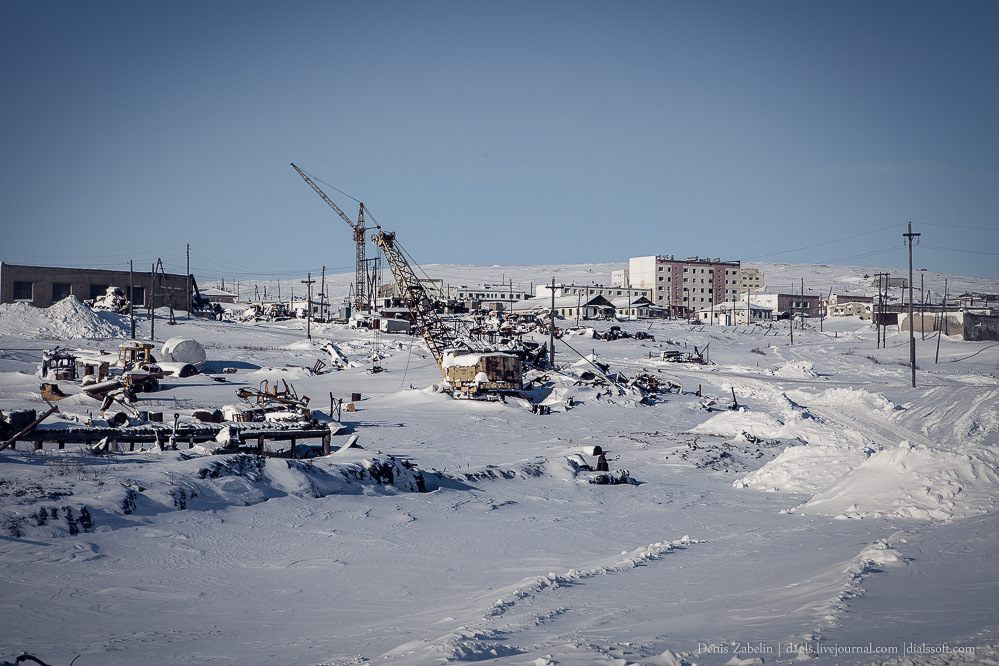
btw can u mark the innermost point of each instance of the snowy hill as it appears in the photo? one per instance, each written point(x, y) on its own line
point(837, 514)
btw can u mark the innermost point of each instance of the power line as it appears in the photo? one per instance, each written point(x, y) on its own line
point(808, 247)
point(862, 255)
point(953, 249)
point(959, 226)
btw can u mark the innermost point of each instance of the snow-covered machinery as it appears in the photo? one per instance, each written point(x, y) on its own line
point(466, 370)
point(114, 299)
point(186, 353)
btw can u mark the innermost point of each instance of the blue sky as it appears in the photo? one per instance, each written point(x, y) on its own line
point(504, 133)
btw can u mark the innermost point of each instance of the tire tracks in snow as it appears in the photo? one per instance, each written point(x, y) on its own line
point(483, 637)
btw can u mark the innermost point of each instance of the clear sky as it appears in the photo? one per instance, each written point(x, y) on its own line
point(504, 133)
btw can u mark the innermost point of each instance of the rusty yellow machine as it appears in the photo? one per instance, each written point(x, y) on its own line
point(471, 372)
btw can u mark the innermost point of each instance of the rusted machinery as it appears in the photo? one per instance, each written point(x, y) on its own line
point(468, 371)
point(361, 292)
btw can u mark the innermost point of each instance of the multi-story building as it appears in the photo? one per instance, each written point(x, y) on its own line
point(750, 279)
point(584, 292)
point(688, 285)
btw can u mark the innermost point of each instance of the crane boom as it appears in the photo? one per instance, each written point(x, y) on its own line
point(360, 292)
point(434, 331)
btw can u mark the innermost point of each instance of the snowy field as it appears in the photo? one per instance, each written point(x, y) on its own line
point(838, 516)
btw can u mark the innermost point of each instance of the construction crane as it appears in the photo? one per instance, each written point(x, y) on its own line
point(361, 300)
point(434, 331)
point(469, 372)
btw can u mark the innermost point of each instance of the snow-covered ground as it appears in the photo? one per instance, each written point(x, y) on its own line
point(838, 514)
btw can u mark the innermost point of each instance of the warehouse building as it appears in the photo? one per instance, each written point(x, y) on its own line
point(43, 286)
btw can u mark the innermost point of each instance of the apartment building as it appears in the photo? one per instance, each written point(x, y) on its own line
point(684, 286)
point(750, 279)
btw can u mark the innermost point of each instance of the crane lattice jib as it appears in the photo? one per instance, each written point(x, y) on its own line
point(359, 240)
point(435, 333)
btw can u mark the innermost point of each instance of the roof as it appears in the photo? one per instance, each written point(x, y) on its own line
point(738, 307)
point(620, 302)
point(543, 303)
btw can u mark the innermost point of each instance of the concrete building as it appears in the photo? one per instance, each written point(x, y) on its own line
point(620, 278)
point(732, 314)
point(586, 291)
point(42, 286)
point(498, 297)
point(788, 305)
point(683, 287)
point(750, 279)
point(850, 305)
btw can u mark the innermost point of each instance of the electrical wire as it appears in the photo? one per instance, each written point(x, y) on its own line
point(808, 247)
point(958, 226)
point(952, 249)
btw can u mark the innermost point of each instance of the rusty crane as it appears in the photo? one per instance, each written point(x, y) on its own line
point(469, 372)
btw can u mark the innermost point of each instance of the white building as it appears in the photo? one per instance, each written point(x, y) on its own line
point(750, 279)
point(732, 314)
point(586, 291)
point(489, 296)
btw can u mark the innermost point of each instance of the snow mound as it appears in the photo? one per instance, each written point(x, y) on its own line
point(912, 482)
point(804, 469)
point(847, 397)
point(733, 424)
point(67, 319)
point(797, 370)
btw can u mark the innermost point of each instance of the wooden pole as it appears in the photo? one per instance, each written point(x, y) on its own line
point(912, 335)
point(551, 333)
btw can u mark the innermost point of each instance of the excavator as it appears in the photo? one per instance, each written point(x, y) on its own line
point(470, 372)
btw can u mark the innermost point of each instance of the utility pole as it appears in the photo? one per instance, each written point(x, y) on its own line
point(189, 281)
point(922, 308)
point(551, 333)
point(308, 307)
point(912, 336)
point(131, 298)
point(152, 303)
point(322, 298)
point(879, 310)
point(943, 316)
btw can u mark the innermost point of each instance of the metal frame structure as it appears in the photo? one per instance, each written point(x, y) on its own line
point(433, 329)
point(361, 293)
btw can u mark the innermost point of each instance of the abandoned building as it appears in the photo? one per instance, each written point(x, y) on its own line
point(43, 286)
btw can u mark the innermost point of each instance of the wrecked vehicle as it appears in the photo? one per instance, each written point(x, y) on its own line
point(473, 373)
point(114, 300)
point(276, 404)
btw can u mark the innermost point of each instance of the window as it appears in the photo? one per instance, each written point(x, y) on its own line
point(23, 290)
point(60, 290)
point(98, 290)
